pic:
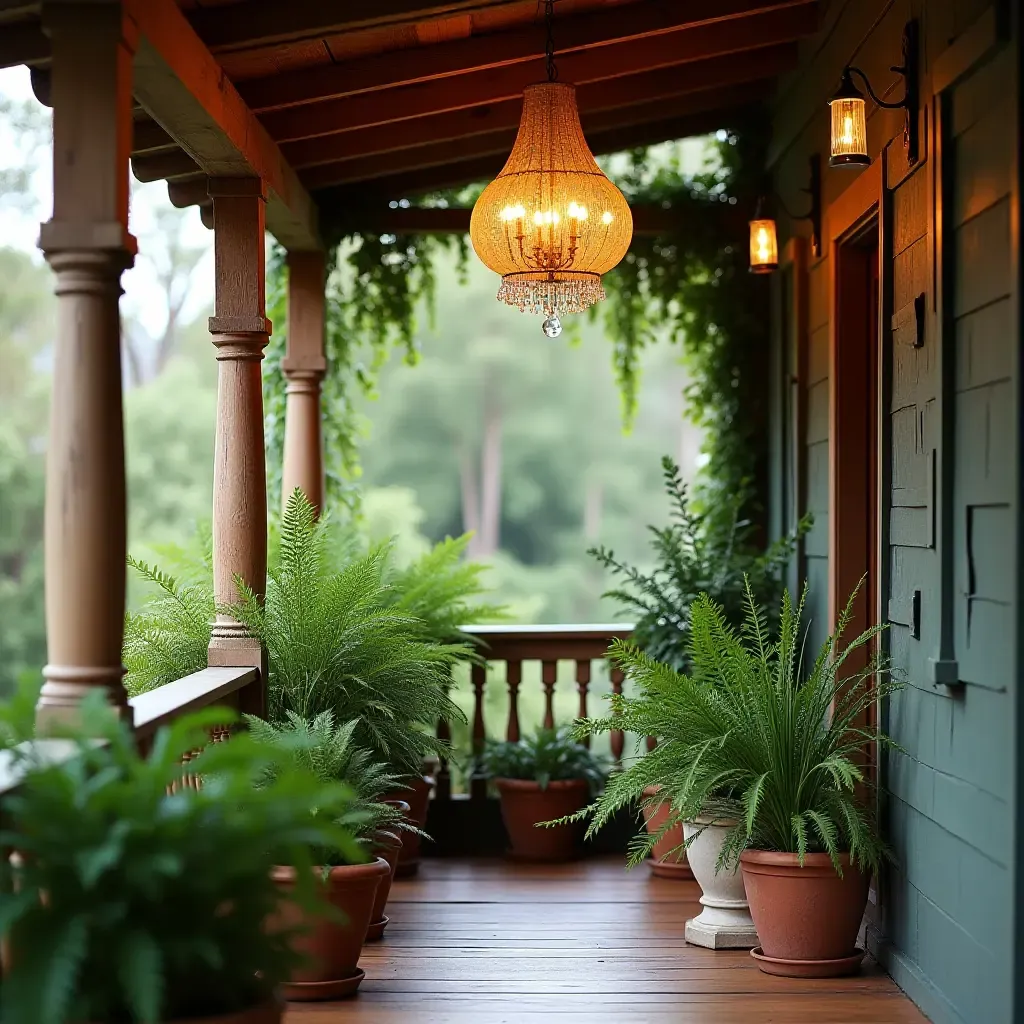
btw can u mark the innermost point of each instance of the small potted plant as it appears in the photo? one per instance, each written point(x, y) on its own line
point(132, 897)
point(545, 776)
point(351, 878)
point(764, 754)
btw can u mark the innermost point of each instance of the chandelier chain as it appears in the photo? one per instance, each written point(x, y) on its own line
point(549, 48)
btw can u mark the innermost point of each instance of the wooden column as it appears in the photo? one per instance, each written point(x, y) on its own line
point(240, 330)
point(304, 366)
point(87, 244)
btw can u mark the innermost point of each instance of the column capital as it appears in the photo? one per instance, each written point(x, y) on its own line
point(111, 238)
point(254, 325)
point(303, 382)
point(311, 367)
point(236, 188)
point(239, 346)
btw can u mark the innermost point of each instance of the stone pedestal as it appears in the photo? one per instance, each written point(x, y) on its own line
point(725, 921)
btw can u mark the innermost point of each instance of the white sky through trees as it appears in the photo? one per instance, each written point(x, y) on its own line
point(144, 299)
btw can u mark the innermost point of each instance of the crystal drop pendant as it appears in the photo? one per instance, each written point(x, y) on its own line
point(552, 327)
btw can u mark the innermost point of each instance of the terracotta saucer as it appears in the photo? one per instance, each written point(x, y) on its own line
point(307, 991)
point(681, 872)
point(808, 968)
point(376, 929)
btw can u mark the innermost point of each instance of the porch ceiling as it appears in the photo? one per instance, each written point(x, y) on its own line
point(384, 99)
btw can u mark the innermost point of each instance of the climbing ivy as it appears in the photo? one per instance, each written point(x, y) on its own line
point(692, 287)
point(375, 283)
point(689, 286)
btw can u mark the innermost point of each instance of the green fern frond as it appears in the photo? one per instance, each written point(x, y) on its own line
point(772, 749)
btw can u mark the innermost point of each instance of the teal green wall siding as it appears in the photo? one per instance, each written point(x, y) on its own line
point(946, 921)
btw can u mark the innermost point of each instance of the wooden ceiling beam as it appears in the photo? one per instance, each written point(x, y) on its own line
point(333, 202)
point(183, 88)
point(267, 22)
point(187, 192)
point(648, 220)
point(595, 101)
point(699, 106)
point(731, 53)
point(23, 43)
point(148, 136)
point(477, 53)
point(175, 163)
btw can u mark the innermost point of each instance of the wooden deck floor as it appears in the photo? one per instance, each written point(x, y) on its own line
point(486, 942)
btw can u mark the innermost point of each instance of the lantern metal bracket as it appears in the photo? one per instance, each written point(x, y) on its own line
point(813, 191)
point(909, 71)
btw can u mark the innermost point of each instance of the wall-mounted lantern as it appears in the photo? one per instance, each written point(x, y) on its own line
point(849, 135)
point(764, 244)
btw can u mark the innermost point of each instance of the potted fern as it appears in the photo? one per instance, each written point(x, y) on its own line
point(763, 754)
point(711, 551)
point(354, 880)
point(343, 634)
point(335, 643)
point(128, 901)
point(545, 776)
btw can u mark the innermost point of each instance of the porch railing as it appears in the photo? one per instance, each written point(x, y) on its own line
point(513, 646)
point(236, 688)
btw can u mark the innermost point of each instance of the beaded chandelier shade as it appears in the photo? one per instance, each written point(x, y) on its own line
point(551, 223)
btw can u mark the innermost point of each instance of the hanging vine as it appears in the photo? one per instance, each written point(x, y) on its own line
point(690, 287)
point(375, 284)
point(693, 287)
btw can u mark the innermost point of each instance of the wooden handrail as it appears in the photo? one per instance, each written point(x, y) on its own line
point(582, 644)
point(201, 689)
point(150, 711)
point(544, 643)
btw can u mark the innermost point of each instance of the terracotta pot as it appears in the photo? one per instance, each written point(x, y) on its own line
point(418, 797)
point(330, 946)
point(387, 846)
point(725, 921)
point(524, 803)
point(668, 858)
point(807, 917)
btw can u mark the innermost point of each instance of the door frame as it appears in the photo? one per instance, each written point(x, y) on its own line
point(846, 219)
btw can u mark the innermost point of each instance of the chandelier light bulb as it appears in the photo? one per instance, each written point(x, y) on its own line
point(551, 223)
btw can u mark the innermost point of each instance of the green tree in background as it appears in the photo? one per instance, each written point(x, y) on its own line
point(518, 438)
point(25, 324)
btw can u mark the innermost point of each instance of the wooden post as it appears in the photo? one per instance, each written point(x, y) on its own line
point(240, 330)
point(304, 367)
point(88, 246)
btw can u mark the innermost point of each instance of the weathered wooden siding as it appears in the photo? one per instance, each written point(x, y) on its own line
point(947, 906)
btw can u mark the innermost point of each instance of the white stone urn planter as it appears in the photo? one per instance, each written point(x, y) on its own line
point(725, 921)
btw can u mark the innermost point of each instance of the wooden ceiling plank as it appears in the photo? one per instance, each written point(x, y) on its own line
point(183, 88)
point(595, 126)
point(677, 50)
point(23, 43)
point(578, 32)
point(264, 22)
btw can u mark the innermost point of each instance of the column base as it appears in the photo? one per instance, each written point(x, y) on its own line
point(717, 928)
point(235, 651)
point(65, 687)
